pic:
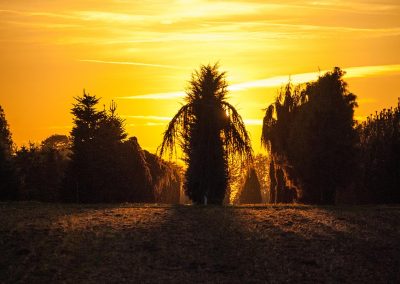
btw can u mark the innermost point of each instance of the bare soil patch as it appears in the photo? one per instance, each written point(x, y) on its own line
point(49, 243)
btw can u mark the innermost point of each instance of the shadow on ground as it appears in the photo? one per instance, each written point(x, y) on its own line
point(138, 243)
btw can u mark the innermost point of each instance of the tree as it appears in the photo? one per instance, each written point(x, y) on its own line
point(8, 178)
point(261, 163)
point(82, 172)
point(209, 131)
point(251, 192)
point(166, 179)
point(310, 133)
point(41, 169)
point(380, 157)
point(105, 166)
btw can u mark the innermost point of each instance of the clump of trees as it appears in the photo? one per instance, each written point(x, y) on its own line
point(310, 134)
point(98, 163)
point(105, 166)
point(317, 153)
point(210, 131)
point(380, 157)
point(41, 168)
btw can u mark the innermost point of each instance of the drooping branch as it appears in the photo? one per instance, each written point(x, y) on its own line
point(237, 140)
point(179, 124)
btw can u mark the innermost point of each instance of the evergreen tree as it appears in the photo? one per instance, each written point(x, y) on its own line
point(8, 178)
point(251, 192)
point(82, 173)
point(210, 131)
point(104, 167)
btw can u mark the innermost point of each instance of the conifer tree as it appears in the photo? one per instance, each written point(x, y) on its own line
point(210, 131)
point(8, 177)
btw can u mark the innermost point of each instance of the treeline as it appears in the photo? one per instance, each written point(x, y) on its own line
point(98, 163)
point(321, 155)
point(379, 157)
point(317, 152)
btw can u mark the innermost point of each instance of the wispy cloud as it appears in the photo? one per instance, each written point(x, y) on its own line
point(276, 81)
point(148, 117)
point(351, 72)
point(156, 96)
point(154, 120)
point(132, 63)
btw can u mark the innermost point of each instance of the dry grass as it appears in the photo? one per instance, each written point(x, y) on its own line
point(45, 243)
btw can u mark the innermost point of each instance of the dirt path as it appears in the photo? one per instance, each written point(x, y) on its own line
point(45, 243)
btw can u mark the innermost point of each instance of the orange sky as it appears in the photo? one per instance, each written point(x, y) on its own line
point(141, 54)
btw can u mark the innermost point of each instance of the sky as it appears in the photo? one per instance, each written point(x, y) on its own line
point(141, 54)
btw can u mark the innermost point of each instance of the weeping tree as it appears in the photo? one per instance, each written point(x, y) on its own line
point(209, 131)
point(310, 133)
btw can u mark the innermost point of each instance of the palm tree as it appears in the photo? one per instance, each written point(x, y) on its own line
point(210, 131)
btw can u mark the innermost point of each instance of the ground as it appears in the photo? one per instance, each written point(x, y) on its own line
point(50, 243)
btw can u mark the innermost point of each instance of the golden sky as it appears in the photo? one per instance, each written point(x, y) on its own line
point(141, 54)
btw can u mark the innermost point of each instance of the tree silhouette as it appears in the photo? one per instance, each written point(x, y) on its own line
point(105, 166)
point(41, 169)
point(251, 191)
point(82, 172)
point(8, 178)
point(310, 133)
point(209, 131)
point(166, 179)
point(380, 157)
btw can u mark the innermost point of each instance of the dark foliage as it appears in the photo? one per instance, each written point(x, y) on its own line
point(310, 133)
point(380, 157)
point(41, 169)
point(104, 166)
point(8, 177)
point(166, 179)
point(251, 191)
point(210, 131)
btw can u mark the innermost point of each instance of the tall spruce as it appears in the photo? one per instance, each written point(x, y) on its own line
point(82, 175)
point(209, 131)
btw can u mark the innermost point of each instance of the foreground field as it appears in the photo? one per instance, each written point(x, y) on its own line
point(45, 243)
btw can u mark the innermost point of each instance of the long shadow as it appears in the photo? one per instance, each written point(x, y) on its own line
point(137, 243)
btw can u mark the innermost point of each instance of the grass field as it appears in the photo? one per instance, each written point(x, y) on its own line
point(50, 243)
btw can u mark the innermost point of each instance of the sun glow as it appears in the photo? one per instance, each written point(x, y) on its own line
point(141, 55)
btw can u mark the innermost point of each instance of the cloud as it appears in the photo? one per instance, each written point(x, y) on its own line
point(156, 96)
point(148, 117)
point(132, 63)
point(277, 81)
